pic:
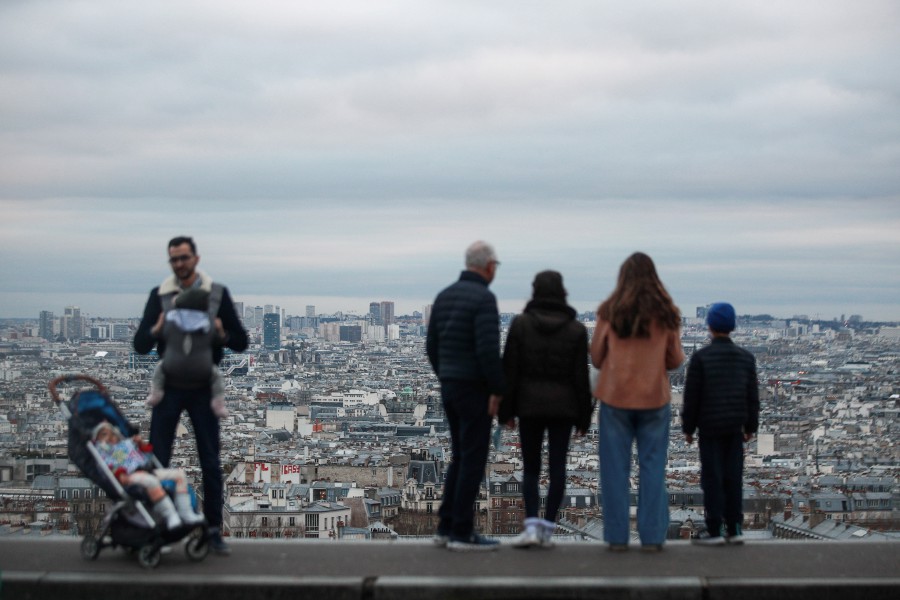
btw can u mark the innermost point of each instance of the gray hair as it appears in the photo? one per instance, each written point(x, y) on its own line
point(479, 254)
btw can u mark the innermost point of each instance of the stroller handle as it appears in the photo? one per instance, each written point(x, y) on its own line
point(70, 378)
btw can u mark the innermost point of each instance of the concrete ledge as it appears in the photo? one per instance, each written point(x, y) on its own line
point(153, 586)
point(869, 588)
point(537, 588)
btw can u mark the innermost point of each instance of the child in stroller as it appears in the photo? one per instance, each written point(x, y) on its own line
point(92, 415)
point(132, 464)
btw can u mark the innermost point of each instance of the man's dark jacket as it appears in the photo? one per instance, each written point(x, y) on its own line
point(235, 336)
point(463, 339)
point(721, 396)
point(546, 366)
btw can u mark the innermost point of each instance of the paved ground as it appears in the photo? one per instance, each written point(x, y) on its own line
point(29, 568)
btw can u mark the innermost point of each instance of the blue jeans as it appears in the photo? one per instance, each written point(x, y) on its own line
point(163, 423)
point(466, 405)
point(618, 429)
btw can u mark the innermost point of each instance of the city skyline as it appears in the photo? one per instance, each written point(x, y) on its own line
point(338, 155)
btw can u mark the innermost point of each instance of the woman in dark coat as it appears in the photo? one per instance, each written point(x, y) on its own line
point(548, 389)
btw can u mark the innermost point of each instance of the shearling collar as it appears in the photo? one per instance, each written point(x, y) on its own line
point(170, 284)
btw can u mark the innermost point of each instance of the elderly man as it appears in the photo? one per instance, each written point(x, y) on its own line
point(195, 399)
point(463, 347)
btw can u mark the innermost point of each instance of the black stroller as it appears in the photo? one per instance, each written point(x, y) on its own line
point(128, 524)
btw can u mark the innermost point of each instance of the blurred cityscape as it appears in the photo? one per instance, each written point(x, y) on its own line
point(336, 430)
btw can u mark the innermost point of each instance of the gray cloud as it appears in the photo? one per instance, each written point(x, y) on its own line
point(355, 149)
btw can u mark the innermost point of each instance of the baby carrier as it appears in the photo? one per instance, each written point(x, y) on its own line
point(128, 523)
point(189, 335)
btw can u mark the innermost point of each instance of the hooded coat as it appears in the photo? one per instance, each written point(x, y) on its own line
point(546, 365)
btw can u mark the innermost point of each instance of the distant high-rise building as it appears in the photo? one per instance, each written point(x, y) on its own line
point(387, 313)
point(351, 333)
point(268, 309)
point(45, 329)
point(701, 311)
point(272, 332)
point(74, 326)
point(310, 311)
point(239, 309)
point(121, 331)
point(258, 314)
point(375, 312)
point(427, 312)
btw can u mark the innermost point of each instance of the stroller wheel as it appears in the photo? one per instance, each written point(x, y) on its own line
point(148, 557)
point(196, 547)
point(90, 547)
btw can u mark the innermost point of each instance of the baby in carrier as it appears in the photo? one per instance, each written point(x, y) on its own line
point(189, 336)
point(129, 460)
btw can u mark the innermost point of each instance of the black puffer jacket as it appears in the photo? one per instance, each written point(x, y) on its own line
point(463, 340)
point(721, 394)
point(546, 366)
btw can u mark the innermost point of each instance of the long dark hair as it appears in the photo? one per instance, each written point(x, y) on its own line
point(639, 299)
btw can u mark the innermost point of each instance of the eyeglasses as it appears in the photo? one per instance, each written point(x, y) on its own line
point(178, 259)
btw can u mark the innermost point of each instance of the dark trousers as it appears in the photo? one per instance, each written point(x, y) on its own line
point(164, 422)
point(466, 405)
point(531, 434)
point(721, 472)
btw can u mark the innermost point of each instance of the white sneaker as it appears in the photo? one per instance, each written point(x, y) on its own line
point(735, 540)
point(528, 538)
point(531, 535)
point(547, 530)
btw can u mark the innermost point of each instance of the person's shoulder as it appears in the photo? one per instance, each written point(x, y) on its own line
point(744, 352)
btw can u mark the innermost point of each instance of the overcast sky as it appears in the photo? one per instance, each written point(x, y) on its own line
point(338, 153)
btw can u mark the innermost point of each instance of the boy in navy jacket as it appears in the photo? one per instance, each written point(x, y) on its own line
point(721, 399)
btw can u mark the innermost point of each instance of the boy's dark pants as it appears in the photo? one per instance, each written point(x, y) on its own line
point(721, 473)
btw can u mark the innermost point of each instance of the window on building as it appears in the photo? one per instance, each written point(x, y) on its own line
point(76, 494)
point(312, 521)
point(291, 521)
point(87, 494)
point(64, 494)
point(265, 521)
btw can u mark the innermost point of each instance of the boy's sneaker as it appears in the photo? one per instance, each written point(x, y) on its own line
point(217, 544)
point(733, 534)
point(472, 543)
point(440, 540)
point(705, 539)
